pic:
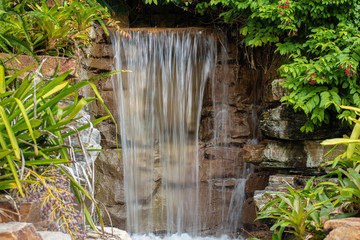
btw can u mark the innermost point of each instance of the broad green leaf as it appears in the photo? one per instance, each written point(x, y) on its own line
point(80, 105)
point(21, 126)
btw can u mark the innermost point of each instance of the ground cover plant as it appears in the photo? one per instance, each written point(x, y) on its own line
point(319, 38)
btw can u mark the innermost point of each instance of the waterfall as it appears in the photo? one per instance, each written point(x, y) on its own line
point(159, 106)
point(159, 103)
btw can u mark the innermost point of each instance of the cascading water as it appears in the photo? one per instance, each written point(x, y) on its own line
point(159, 106)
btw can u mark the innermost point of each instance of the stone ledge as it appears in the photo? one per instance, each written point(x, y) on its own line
point(284, 124)
point(291, 155)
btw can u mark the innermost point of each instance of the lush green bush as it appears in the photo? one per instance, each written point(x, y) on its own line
point(321, 39)
point(32, 27)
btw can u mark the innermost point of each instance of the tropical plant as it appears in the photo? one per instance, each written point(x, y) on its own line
point(34, 27)
point(351, 157)
point(35, 126)
point(302, 211)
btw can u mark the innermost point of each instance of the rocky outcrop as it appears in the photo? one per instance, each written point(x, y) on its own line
point(301, 157)
point(284, 123)
point(109, 187)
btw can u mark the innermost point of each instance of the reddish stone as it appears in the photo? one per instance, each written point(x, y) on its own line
point(29, 212)
point(253, 153)
point(221, 162)
point(257, 181)
point(344, 233)
point(18, 231)
point(345, 222)
point(48, 68)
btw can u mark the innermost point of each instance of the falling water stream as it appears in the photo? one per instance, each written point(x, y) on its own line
point(159, 105)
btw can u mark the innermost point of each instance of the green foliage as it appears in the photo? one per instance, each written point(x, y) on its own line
point(321, 39)
point(32, 27)
point(34, 127)
point(303, 211)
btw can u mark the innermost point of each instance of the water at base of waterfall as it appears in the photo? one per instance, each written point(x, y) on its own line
point(183, 236)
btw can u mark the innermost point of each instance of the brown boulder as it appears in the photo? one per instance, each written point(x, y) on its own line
point(344, 233)
point(253, 153)
point(345, 222)
point(18, 231)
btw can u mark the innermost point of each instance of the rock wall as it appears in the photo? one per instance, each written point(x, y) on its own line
point(221, 162)
point(290, 155)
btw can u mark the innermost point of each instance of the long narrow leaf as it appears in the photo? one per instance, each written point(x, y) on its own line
point(10, 132)
point(2, 80)
point(22, 109)
point(12, 166)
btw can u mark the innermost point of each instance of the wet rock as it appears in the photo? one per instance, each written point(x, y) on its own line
point(232, 126)
point(109, 233)
point(283, 123)
point(256, 181)
point(221, 162)
point(48, 235)
point(248, 218)
point(109, 178)
point(108, 135)
point(18, 231)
